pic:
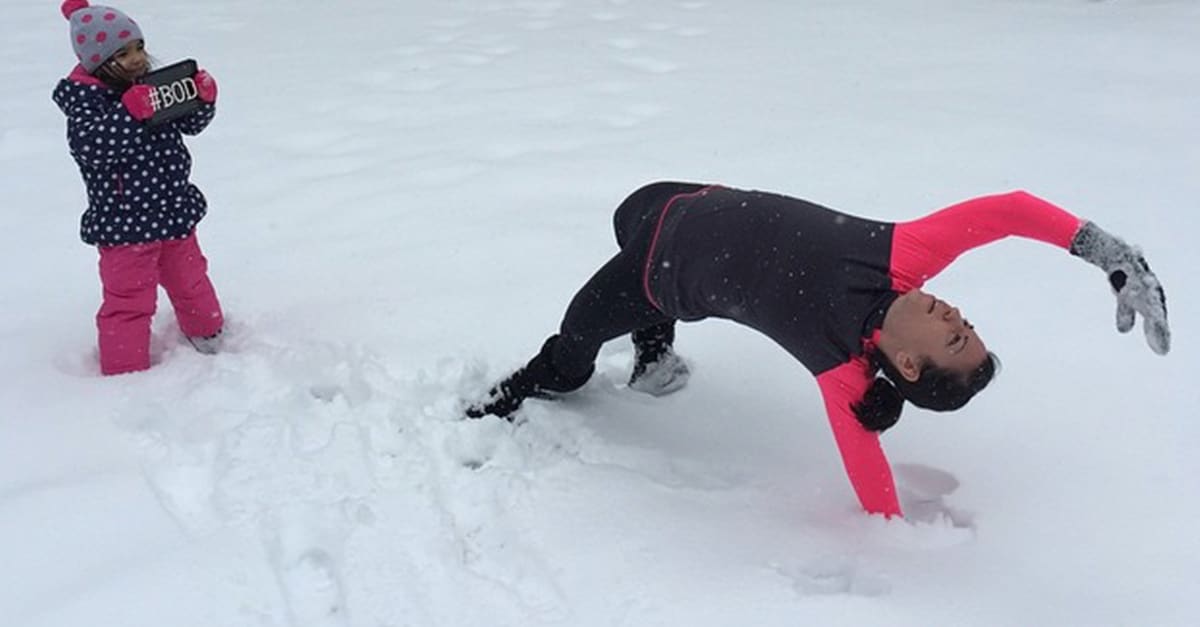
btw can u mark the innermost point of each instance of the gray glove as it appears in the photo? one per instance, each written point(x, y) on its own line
point(1134, 284)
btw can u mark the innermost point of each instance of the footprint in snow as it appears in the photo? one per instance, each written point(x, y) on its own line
point(301, 541)
point(313, 590)
point(835, 575)
point(923, 490)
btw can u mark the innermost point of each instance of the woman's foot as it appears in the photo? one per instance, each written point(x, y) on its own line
point(665, 373)
point(538, 379)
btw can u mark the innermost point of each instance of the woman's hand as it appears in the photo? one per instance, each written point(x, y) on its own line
point(1136, 287)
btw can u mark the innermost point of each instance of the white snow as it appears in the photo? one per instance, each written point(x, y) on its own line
point(405, 195)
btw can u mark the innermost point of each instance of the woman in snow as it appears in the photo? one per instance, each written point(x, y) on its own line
point(142, 209)
point(839, 292)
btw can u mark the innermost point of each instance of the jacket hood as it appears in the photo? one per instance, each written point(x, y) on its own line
point(75, 84)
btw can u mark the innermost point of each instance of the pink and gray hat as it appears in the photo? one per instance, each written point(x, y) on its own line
point(98, 32)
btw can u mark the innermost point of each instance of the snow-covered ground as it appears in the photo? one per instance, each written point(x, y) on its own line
point(404, 196)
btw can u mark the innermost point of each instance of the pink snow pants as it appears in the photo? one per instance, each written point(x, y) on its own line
point(131, 275)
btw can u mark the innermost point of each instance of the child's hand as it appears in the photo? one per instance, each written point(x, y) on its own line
point(139, 100)
point(206, 86)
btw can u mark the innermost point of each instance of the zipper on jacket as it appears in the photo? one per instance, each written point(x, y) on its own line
point(122, 201)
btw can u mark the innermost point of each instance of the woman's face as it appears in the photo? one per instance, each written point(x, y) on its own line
point(920, 328)
point(131, 61)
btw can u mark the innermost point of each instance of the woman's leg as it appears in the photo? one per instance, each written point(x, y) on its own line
point(609, 305)
point(184, 274)
point(656, 369)
point(129, 275)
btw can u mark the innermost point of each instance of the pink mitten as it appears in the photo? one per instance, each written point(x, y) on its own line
point(206, 85)
point(139, 100)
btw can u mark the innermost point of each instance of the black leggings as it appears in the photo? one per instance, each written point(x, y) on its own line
point(613, 302)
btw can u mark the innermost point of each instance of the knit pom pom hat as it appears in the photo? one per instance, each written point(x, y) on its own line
point(98, 32)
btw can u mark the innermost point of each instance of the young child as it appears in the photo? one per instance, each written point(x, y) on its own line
point(142, 209)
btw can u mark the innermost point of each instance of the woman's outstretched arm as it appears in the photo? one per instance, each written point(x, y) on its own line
point(866, 465)
point(923, 247)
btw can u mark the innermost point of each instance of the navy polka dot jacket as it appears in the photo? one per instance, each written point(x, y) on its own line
point(136, 176)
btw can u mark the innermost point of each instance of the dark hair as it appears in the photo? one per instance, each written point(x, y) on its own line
point(112, 77)
point(111, 74)
point(936, 388)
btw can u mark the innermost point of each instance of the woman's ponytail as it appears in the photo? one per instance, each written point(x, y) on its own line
point(937, 389)
point(880, 407)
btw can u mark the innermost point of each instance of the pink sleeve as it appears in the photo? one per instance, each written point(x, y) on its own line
point(866, 465)
point(924, 247)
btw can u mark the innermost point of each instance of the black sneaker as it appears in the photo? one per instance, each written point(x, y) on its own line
point(665, 374)
point(657, 370)
point(505, 398)
point(538, 379)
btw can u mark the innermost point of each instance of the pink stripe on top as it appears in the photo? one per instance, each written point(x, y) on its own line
point(654, 242)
